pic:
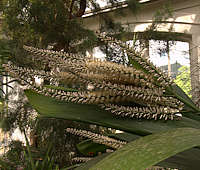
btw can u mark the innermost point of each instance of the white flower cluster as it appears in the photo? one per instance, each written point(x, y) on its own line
point(123, 90)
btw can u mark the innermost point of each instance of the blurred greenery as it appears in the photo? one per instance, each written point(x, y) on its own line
point(183, 80)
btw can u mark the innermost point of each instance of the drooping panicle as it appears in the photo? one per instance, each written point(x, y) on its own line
point(146, 64)
point(50, 54)
point(56, 59)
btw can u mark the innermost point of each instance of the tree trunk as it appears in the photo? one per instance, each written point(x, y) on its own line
point(169, 65)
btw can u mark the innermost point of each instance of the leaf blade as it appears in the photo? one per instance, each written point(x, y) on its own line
point(49, 107)
point(150, 150)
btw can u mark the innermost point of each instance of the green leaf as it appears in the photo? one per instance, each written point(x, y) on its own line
point(186, 160)
point(194, 116)
point(190, 110)
point(125, 136)
point(89, 148)
point(150, 150)
point(92, 162)
point(71, 167)
point(136, 65)
point(48, 107)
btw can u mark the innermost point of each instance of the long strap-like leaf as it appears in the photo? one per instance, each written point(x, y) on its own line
point(48, 107)
point(150, 150)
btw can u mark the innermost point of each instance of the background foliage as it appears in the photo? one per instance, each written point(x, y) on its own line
point(183, 79)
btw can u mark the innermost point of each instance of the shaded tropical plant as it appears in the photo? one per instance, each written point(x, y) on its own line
point(138, 99)
point(28, 157)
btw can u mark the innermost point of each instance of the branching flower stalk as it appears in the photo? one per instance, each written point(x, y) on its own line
point(113, 143)
point(148, 67)
point(142, 112)
point(125, 91)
